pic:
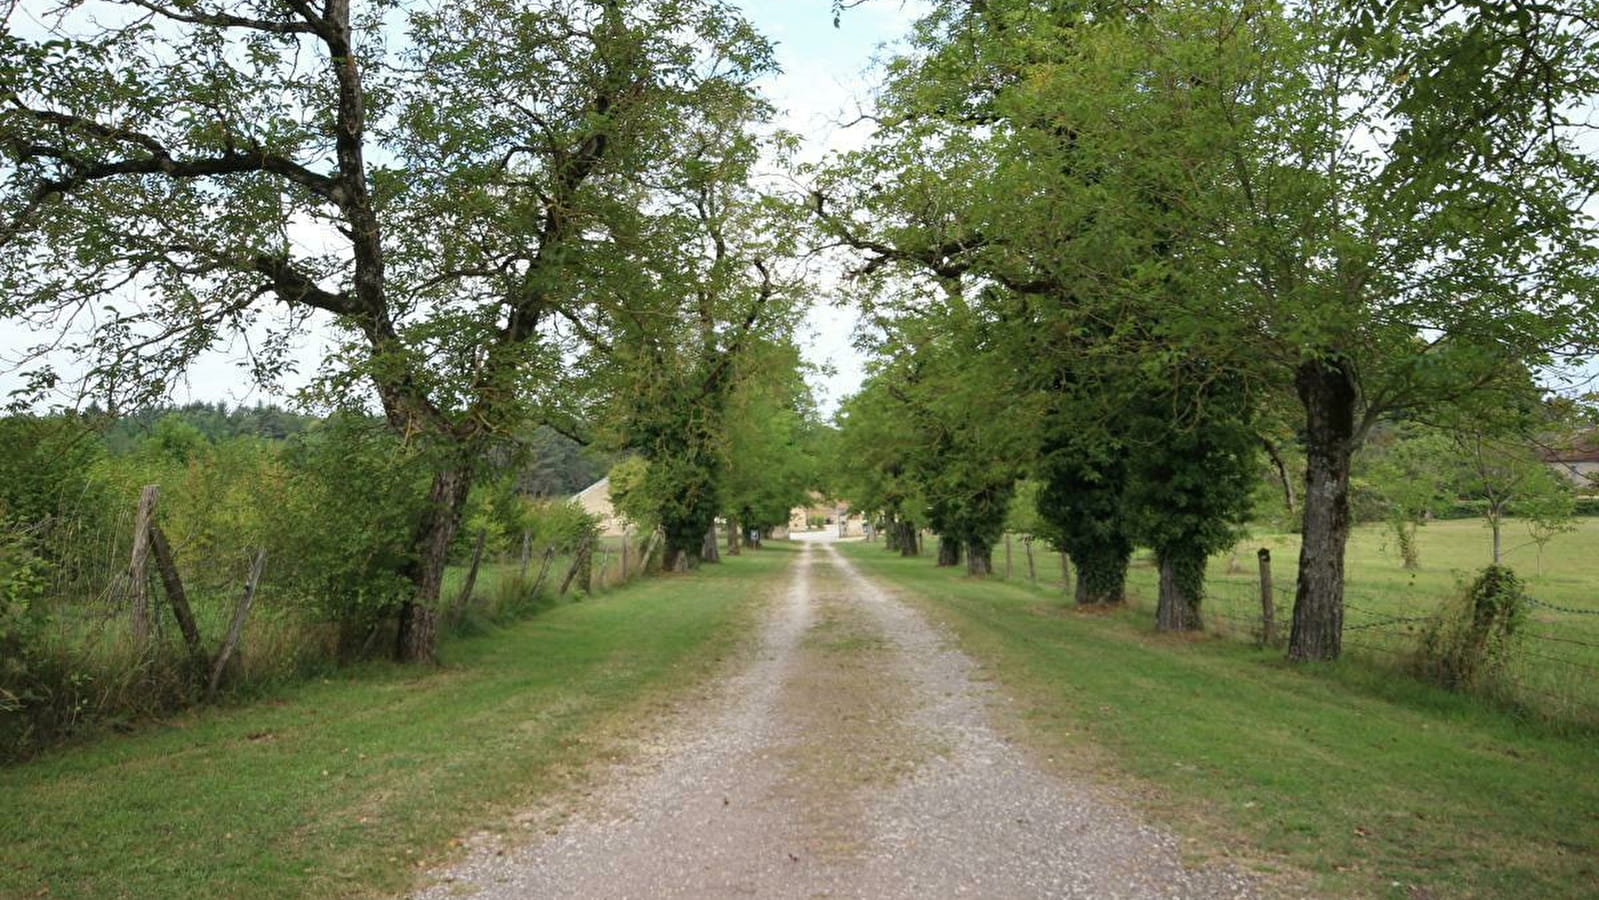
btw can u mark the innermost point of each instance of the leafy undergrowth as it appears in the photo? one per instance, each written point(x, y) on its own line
point(349, 786)
point(1375, 784)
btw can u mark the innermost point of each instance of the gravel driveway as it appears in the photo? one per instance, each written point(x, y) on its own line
point(851, 757)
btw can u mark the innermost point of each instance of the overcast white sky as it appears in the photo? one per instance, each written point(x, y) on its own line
point(825, 81)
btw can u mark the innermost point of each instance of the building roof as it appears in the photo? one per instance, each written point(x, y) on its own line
point(1579, 448)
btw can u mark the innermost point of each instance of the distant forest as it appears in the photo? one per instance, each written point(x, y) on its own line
point(550, 464)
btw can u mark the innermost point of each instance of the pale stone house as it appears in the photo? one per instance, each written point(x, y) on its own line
point(596, 501)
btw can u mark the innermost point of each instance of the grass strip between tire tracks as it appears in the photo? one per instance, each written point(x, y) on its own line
point(1377, 785)
point(348, 787)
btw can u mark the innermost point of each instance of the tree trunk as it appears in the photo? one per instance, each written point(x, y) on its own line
point(678, 559)
point(1405, 536)
point(1178, 606)
point(417, 634)
point(1282, 474)
point(979, 558)
point(1328, 394)
point(709, 550)
point(907, 539)
point(949, 551)
point(1101, 573)
point(732, 536)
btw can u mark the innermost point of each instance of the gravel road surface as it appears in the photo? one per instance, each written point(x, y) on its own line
point(852, 756)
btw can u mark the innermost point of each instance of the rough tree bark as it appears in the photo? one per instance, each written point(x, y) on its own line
point(907, 539)
point(1101, 573)
point(979, 557)
point(1177, 608)
point(709, 551)
point(949, 551)
point(414, 640)
point(1328, 392)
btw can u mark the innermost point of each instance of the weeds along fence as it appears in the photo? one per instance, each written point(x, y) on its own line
point(542, 573)
point(106, 620)
point(1552, 665)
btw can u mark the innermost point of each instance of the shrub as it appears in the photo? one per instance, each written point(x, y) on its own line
point(1472, 638)
point(560, 524)
point(22, 610)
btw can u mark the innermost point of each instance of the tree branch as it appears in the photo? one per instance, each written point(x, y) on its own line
point(225, 20)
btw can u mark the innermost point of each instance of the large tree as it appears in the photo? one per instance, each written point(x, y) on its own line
point(1399, 248)
point(709, 291)
point(1054, 152)
point(187, 173)
point(1382, 212)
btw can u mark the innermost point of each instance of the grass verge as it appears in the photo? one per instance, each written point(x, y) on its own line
point(1376, 785)
point(349, 786)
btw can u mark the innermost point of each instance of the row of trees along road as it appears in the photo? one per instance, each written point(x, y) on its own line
point(1177, 221)
point(510, 213)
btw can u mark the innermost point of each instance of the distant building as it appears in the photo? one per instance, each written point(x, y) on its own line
point(1578, 461)
point(825, 515)
point(596, 501)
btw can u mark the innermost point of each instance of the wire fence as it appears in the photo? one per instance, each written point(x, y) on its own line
point(1553, 664)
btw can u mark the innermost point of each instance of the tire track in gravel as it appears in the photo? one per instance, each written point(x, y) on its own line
point(852, 757)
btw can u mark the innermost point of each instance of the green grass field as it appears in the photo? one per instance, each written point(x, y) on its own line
point(1556, 672)
point(1373, 784)
point(344, 787)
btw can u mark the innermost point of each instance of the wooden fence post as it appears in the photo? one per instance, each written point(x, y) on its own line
point(236, 627)
point(1268, 609)
point(577, 563)
point(624, 557)
point(176, 596)
point(471, 577)
point(527, 551)
point(1007, 556)
point(1065, 574)
point(649, 548)
point(544, 570)
point(1027, 547)
point(138, 580)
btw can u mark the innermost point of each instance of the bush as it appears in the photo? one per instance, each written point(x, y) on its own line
point(1471, 640)
point(563, 525)
point(343, 529)
point(22, 610)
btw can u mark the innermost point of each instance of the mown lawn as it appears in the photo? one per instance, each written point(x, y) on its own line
point(1374, 784)
point(349, 786)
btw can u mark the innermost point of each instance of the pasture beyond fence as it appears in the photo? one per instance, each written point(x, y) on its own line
point(1553, 666)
